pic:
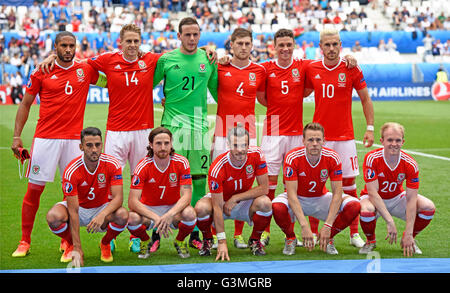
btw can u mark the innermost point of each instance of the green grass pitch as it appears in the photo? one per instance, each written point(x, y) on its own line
point(427, 131)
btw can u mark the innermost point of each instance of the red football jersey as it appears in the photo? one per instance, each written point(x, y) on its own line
point(333, 89)
point(225, 178)
point(284, 94)
point(62, 94)
point(390, 181)
point(92, 189)
point(311, 179)
point(130, 89)
point(161, 187)
point(237, 89)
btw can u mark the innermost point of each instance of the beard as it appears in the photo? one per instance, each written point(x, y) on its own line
point(65, 58)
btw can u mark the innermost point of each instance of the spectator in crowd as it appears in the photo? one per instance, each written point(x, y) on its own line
point(357, 47)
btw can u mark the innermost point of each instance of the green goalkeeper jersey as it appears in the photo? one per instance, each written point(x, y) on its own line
point(187, 79)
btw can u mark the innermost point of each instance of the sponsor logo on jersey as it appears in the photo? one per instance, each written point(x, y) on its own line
point(176, 66)
point(54, 77)
point(227, 74)
point(289, 172)
point(117, 66)
point(370, 174)
point(214, 185)
point(272, 75)
point(68, 187)
point(317, 76)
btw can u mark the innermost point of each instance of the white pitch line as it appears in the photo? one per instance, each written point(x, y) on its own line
point(412, 152)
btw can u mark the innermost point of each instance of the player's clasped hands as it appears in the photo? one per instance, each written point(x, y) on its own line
point(162, 225)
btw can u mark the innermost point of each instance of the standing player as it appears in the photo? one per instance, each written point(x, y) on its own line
point(306, 170)
point(240, 82)
point(188, 75)
point(93, 197)
point(62, 93)
point(284, 100)
point(232, 196)
point(385, 169)
point(155, 200)
point(333, 84)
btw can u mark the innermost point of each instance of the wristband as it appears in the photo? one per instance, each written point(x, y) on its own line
point(327, 225)
point(221, 236)
point(370, 128)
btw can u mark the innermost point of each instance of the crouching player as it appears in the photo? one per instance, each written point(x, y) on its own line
point(158, 181)
point(232, 196)
point(385, 170)
point(306, 170)
point(93, 196)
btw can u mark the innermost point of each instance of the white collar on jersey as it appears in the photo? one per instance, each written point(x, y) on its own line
point(313, 166)
point(162, 171)
point(243, 67)
point(84, 164)
point(65, 68)
point(331, 69)
point(292, 61)
point(129, 61)
point(235, 167)
point(396, 165)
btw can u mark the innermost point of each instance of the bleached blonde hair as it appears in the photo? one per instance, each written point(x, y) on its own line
point(394, 125)
point(329, 32)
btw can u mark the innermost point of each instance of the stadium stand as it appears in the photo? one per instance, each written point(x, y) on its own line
point(418, 31)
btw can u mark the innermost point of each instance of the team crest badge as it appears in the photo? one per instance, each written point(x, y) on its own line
point(252, 76)
point(401, 177)
point(141, 64)
point(36, 169)
point(249, 169)
point(202, 67)
point(295, 72)
point(342, 77)
point(80, 73)
point(323, 174)
point(173, 177)
point(101, 177)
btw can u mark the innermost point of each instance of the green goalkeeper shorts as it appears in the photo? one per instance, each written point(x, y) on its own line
point(195, 145)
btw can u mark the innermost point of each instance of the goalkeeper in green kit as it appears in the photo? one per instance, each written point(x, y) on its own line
point(188, 75)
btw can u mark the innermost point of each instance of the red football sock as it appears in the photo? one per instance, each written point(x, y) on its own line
point(111, 232)
point(346, 217)
point(139, 231)
point(63, 231)
point(238, 227)
point(283, 219)
point(368, 224)
point(185, 229)
point(30, 207)
point(260, 222)
point(271, 195)
point(314, 224)
point(351, 190)
point(423, 218)
point(204, 225)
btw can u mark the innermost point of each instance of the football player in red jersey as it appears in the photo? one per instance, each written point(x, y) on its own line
point(160, 194)
point(333, 83)
point(232, 195)
point(385, 170)
point(62, 93)
point(93, 197)
point(240, 83)
point(306, 171)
